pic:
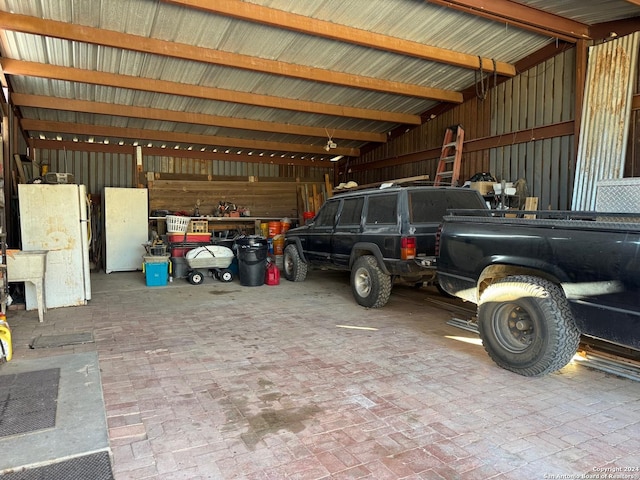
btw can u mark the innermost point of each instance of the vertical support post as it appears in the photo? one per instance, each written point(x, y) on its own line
point(582, 54)
point(138, 171)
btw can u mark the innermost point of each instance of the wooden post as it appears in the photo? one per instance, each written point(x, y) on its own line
point(327, 184)
point(530, 204)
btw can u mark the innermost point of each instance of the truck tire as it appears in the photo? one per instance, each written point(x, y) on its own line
point(295, 269)
point(526, 325)
point(371, 287)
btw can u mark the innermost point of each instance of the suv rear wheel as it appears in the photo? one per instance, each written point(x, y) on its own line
point(295, 269)
point(371, 287)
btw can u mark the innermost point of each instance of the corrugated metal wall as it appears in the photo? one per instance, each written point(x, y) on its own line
point(473, 115)
point(543, 95)
point(96, 170)
point(99, 170)
point(605, 117)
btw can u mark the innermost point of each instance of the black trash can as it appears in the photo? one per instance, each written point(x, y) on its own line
point(252, 260)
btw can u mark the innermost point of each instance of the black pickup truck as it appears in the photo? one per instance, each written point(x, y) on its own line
point(540, 283)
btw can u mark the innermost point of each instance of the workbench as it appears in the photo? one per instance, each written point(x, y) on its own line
point(220, 223)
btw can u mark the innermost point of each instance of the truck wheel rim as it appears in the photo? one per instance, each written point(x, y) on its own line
point(362, 282)
point(288, 264)
point(513, 327)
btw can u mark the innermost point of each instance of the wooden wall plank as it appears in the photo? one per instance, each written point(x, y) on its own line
point(263, 199)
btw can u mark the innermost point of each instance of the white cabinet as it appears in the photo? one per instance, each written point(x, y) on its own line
point(126, 228)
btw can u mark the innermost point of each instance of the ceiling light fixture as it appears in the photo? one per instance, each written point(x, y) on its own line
point(336, 158)
point(330, 143)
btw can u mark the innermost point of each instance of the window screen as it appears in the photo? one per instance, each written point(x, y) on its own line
point(382, 209)
point(351, 211)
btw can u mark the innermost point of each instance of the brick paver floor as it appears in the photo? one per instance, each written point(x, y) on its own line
point(221, 381)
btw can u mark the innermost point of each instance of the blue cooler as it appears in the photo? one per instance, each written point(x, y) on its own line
point(156, 273)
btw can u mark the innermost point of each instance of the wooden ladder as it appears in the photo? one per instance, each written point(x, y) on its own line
point(448, 172)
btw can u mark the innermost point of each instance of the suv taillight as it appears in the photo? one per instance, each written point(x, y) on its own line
point(438, 232)
point(408, 248)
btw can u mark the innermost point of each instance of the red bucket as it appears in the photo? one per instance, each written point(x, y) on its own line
point(308, 216)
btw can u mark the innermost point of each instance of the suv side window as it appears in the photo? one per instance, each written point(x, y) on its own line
point(431, 206)
point(351, 211)
point(382, 209)
point(327, 215)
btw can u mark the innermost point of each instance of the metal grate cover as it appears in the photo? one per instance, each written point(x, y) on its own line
point(49, 341)
point(28, 401)
point(96, 466)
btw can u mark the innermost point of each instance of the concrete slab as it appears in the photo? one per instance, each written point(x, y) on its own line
point(80, 424)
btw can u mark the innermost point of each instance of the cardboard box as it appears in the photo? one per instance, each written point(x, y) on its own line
point(485, 188)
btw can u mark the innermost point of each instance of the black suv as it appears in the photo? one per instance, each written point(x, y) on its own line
point(378, 234)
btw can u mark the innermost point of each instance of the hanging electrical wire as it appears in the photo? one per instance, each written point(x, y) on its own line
point(481, 90)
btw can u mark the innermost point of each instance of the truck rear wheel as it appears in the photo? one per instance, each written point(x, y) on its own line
point(526, 325)
point(295, 269)
point(371, 287)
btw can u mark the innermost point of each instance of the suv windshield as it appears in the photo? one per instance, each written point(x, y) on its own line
point(351, 211)
point(327, 215)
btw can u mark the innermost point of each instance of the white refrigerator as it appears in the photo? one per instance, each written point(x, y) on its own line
point(56, 218)
point(126, 228)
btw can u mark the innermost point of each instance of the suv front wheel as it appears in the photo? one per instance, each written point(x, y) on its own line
point(371, 287)
point(295, 269)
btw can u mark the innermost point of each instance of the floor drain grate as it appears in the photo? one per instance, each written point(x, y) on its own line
point(96, 466)
point(50, 341)
point(28, 401)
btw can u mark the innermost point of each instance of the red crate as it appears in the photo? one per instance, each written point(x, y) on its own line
point(189, 237)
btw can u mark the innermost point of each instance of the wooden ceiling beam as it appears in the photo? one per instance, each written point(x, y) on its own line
point(521, 16)
point(177, 137)
point(614, 29)
point(41, 70)
point(129, 111)
point(320, 28)
point(110, 38)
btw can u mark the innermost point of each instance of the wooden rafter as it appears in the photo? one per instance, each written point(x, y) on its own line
point(176, 137)
point(41, 70)
point(83, 106)
point(521, 16)
point(342, 33)
point(110, 38)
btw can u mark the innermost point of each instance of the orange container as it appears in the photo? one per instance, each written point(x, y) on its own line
point(278, 245)
point(275, 228)
point(284, 226)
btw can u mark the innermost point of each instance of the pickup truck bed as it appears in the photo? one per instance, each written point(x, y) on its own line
point(540, 283)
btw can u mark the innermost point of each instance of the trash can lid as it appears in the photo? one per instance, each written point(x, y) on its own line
point(251, 241)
